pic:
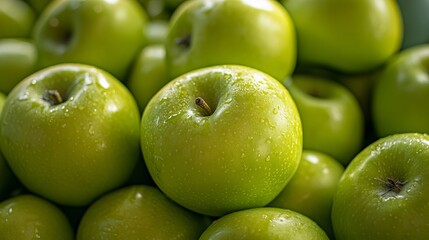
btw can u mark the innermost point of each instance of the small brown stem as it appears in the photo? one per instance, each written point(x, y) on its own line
point(53, 97)
point(203, 105)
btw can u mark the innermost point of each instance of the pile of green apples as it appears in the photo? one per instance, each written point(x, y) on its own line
point(214, 119)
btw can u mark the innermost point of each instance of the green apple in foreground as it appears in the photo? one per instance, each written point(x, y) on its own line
point(312, 188)
point(221, 139)
point(384, 192)
point(332, 118)
point(401, 94)
point(148, 74)
point(16, 19)
point(70, 133)
point(258, 34)
point(349, 36)
point(262, 224)
point(104, 33)
point(31, 217)
point(18, 59)
point(139, 212)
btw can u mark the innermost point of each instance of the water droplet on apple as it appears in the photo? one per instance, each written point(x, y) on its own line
point(268, 158)
point(91, 130)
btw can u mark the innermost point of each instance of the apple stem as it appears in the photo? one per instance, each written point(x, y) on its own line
point(203, 105)
point(53, 97)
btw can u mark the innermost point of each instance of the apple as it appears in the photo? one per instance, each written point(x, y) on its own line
point(414, 17)
point(258, 34)
point(16, 19)
point(156, 32)
point(264, 223)
point(148, 74)
point(221, 139)
point(31, 217)
point(104, 33)
point(401, 93)
point(312, 188)
point(70, 133)
point(155, 9)
point(139, 212)
point(332, 119)
point(18, 59)
point(352, 36)
point(383, 193)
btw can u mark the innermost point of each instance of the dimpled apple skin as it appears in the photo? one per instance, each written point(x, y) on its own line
point(140, 212)
point(262, 224)
point(239, 154)
point(74, 150)
point(384, 192)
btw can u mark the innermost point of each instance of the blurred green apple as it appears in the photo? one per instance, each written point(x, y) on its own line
point(262, 224)
point(157, 31)
point(148, 74)
point(70, 133)
point(384, 191)
point(107, 34)
point(312, 188)
point(139, 212)
point(258, 34)
point(401, 93)
point(415, 19)
point(18, 59)
point(222, 139)
point(31, 217)
point(16, 19)
point(332, 119)
point(349, 36)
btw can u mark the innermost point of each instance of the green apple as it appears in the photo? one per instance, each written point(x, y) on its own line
point(16, 19)
point(148, 74)
point(415, 18)
point(139, 212)
point(262, 224)
point(259, 34)
point(155, 9)
point(18, 59)
point(332, 119)
point(222, 139)
point(8, 181)
point(401, 93)
point(70, 133)
point(349, 36)
point(104, 33)
point(383, 193)
point(31, 217)
point(312, 188)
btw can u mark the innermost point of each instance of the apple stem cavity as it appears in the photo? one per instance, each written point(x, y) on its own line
point(184, 41)
point(200, 102)
point(392, 185)
point(53, 97)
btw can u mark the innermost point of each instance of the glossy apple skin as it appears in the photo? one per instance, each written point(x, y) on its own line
point(258, 34)
point(415, 18)
point(71, 152)
point(330, 115)
point(104, 33)
point(241, 156)
point(264, 223)
point(348, 36)
point(31, 217)
point(401, 93)
point(312, 188)
point(18, 59)
point(139, 212)
point(363, 206)
point(16, 19)
point(148, 74)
